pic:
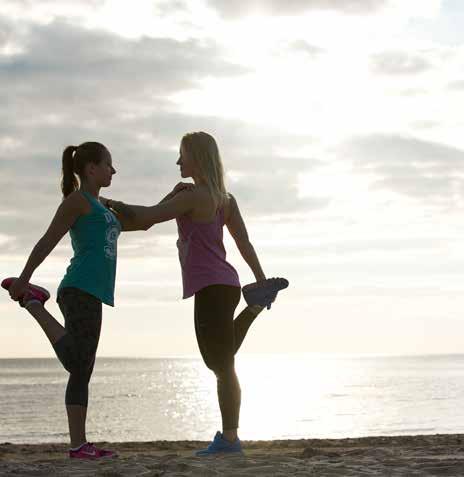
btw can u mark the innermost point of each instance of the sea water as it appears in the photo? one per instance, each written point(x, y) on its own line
point(283, 397)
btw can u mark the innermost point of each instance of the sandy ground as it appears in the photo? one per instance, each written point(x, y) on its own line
point(438, 455)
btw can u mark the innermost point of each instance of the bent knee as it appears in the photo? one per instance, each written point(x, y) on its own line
point(222, 369)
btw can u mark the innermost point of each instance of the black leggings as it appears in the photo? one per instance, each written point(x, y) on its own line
point(219, 337)
point(78, 347)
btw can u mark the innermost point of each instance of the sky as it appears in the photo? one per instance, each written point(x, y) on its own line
point(340, 127)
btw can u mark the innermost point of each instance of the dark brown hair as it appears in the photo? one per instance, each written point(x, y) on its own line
point(75, 158)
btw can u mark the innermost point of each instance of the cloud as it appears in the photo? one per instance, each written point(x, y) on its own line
point(46, 10)
point(147, 172)
point(399, 63)
point(423, 170)
point(28, 4)
point(413, 92)
point(302, 46)
point(425, 124)
point(5, 32)
point(266, 194)
point(295, 7)
point(80, 65)
point(456, 85)
point(69, 85)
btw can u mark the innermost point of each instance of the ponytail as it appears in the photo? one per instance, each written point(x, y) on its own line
point(75, 158)
point(69, 182)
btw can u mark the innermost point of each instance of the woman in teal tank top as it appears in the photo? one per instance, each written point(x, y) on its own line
point(89, 280)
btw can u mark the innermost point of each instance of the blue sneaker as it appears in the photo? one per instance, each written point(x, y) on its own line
point(263, 293)
point(220, 445)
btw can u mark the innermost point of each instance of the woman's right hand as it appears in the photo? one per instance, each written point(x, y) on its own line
point(18, 289)
point(104, 201)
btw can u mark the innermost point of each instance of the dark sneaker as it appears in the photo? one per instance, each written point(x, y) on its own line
point(263, 293)
point(221, 446)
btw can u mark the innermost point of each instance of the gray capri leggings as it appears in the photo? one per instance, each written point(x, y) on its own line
point(78, 347)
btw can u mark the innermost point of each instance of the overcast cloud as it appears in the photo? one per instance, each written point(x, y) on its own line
point(399, 63)
point(69, 84)
point(338, 126)
point(420, 169)
point(295, 7)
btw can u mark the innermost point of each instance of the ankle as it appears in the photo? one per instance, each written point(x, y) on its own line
point(32, 305)
point(230, 435)
point(76, 446)
point(256, 309)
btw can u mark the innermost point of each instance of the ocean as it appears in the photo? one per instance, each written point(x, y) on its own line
point(283, 397)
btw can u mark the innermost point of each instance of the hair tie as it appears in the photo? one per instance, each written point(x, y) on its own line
point(74, 158)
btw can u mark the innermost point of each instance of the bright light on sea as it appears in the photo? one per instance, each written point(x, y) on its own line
point(283, 397)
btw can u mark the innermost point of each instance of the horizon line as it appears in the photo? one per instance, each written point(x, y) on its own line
point(251, 355)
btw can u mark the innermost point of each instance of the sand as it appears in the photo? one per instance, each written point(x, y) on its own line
point(438, 455)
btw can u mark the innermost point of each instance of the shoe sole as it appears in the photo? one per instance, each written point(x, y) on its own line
point(43, 290)
point(267, 284)
point(207, 454)
point(94, 458)
point(260, 291)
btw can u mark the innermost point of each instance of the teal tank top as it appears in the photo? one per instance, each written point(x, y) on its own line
point(94, 241)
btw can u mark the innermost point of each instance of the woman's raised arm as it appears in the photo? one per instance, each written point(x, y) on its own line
point(67, 213)
point(179, 201)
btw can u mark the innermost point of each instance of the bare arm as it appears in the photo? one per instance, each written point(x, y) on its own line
point(67, 213)
point(124, 213)
point(145, 217)
point(136, 217)
point(168, 197)
point(237, 229)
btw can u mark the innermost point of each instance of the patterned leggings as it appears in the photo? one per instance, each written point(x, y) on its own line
point(78, 347)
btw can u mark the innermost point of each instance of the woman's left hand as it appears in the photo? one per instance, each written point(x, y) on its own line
point(182, 186)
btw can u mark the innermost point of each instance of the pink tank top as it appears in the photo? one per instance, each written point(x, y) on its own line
point(202, 254)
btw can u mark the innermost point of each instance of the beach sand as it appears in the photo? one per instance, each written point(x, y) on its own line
point(437, 455)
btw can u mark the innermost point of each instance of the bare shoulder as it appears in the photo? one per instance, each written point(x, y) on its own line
point(230, 206)
point(232, 202)
point(76, 202)
point(193, 195)
point(184, 202)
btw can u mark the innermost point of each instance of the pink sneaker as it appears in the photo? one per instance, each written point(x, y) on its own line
point(89, 451)
point(33, 292)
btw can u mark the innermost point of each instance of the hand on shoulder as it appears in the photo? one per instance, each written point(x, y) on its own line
point(182, 186)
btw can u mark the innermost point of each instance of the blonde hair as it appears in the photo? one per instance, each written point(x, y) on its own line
point(203, 149)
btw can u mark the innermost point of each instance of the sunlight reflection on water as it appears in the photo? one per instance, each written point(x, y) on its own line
point(298, 396)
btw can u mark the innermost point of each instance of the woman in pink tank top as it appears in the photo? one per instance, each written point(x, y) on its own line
point(201, 211)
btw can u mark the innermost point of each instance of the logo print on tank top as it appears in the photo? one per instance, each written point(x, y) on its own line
point(112, 234)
